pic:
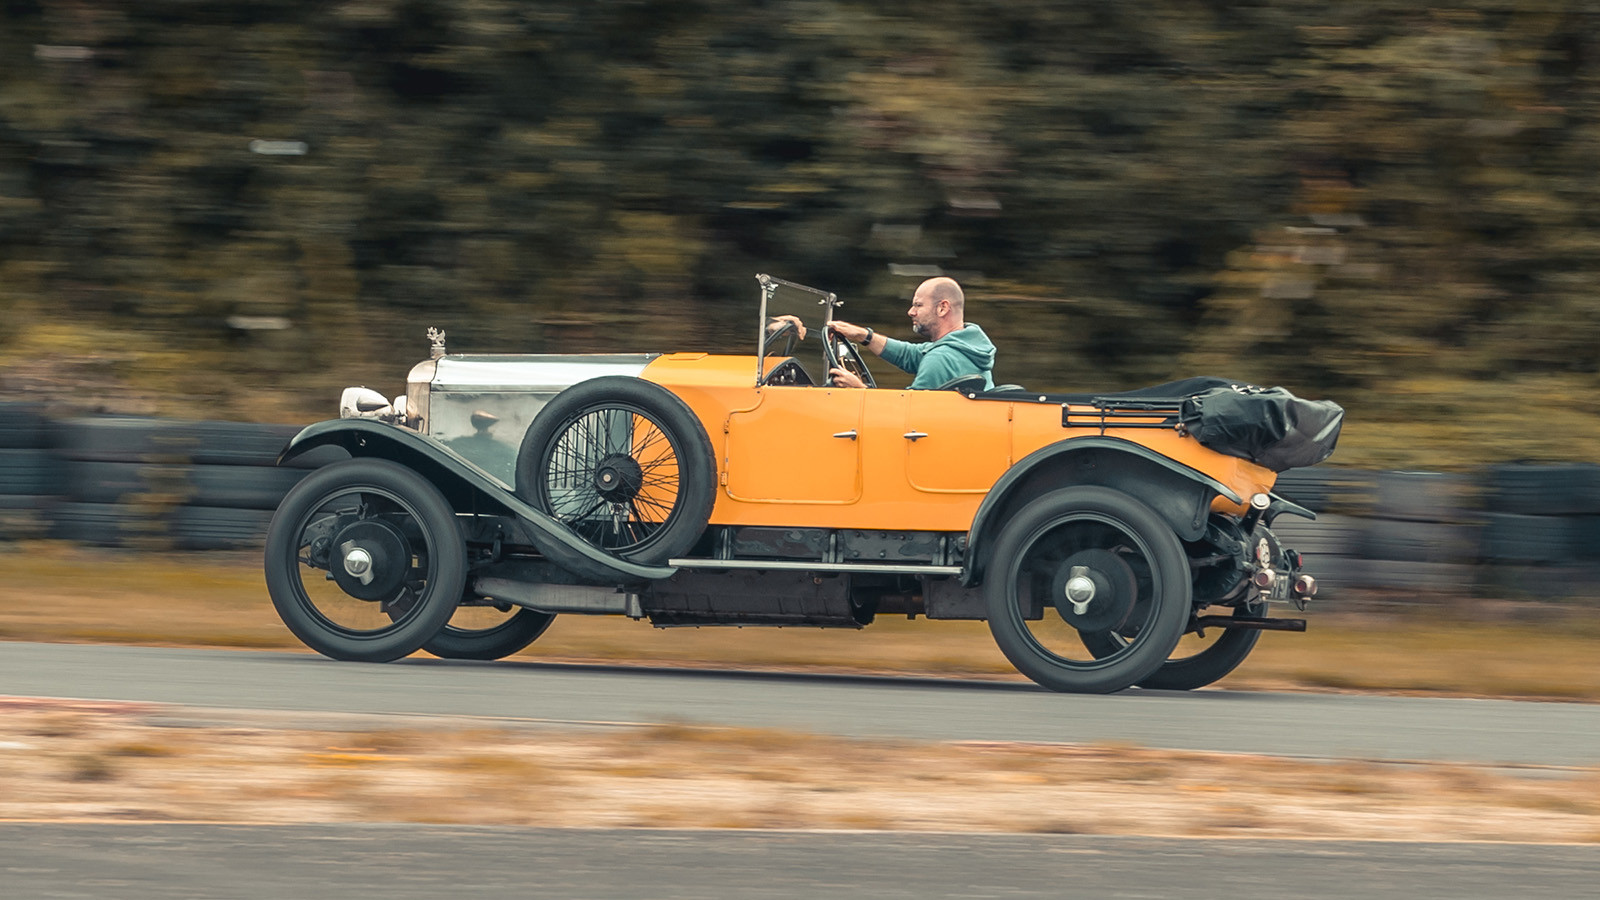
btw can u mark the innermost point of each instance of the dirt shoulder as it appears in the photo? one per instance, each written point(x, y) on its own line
point(119, 762)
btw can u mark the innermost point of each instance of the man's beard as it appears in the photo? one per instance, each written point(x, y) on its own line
point(916, 328)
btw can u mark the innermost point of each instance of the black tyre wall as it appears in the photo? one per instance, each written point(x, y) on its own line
point(23, 426)
point(238, 487)
point(1552, 490)
point(30, 472)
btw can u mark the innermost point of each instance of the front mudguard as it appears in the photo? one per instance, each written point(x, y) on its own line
point(467, 487)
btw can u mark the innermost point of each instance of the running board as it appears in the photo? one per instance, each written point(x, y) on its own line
point(857, 568)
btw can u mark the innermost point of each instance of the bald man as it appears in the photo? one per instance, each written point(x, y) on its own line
point(955, 347)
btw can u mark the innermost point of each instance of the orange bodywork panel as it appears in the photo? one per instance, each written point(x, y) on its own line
point(826, 457)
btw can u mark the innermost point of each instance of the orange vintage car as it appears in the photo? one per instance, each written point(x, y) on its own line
point(1092, 532)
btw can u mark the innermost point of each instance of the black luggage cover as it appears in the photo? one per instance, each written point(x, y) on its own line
point(1268, 426)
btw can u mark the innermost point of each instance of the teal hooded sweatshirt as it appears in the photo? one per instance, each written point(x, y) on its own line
point(965, 351)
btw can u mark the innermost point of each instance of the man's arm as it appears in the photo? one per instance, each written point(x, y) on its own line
point(856, 334)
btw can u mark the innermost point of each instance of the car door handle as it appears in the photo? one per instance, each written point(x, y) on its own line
point(914, 436)
point(851, 434)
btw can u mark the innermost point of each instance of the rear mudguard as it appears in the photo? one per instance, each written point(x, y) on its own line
point(1178, 493)
point(460, 480)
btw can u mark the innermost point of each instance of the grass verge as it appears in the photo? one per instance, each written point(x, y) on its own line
point(62, 592)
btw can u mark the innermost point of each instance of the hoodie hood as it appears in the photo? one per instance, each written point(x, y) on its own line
point(972, 343)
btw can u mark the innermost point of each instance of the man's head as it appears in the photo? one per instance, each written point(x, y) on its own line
point(937, 308)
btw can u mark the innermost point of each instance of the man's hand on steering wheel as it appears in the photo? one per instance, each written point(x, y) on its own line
point(841, 378)
point(846, 368)
point(779, 325)
point(855, 334)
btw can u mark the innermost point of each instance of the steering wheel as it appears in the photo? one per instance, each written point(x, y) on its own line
point(785, 328)
point(841, 354)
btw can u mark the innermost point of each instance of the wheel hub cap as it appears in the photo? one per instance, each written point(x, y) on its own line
point(618, 478)
point(357, 561)
point(1094, 590)
point(1079, 589)
point(371, 559)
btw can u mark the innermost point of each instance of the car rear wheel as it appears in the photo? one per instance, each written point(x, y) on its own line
point(1197, 661)
point(365, 561)
point(488, 632)
point(625, 464)
point(1087, 560)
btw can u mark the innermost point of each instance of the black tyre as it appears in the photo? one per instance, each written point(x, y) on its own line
point(30, 472)
point(126, 439)
point(625, 464)
point(1087, 560)
point(111, 524)
point(1570, 489)
point(1431, 542)
point(1508, 537)
point(487, 632)
point(23, 426)
point(1207, 661)
point(25, 517)
point(365, 561)
point(218, 528)
point(1422, 496)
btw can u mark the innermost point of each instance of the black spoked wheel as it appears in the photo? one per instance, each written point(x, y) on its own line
point(483, 630)
point(365, 561)
point(625, 464)
point(1087, 561)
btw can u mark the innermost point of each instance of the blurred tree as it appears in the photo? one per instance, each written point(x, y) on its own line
point(1384, 203)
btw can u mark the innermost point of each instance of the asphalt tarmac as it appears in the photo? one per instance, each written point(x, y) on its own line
point(1285, 724)
point(401, 862)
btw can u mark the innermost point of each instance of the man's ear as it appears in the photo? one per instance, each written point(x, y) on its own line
point(943, 309)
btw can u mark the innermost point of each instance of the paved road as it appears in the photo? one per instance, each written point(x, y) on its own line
point(401, 862)
point(1310, 725)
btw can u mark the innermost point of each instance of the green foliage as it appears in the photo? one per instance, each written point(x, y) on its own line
point(1387, 204)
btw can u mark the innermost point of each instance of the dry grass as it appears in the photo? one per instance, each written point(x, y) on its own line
point(61, 592)
point(117, 763)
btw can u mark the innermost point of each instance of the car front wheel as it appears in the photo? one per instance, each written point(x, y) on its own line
point(365, 561)
point(1086, 561)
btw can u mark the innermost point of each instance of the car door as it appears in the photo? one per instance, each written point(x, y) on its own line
point(954, 444)
point(796, 445)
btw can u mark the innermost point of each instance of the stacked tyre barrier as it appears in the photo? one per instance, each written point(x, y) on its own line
point(1540, 530)
point(169, 484)
point(30, 478)
point(1518, 531)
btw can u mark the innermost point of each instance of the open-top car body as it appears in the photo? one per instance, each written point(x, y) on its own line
point(1092, 532)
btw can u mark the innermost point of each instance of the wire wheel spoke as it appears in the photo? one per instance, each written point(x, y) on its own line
point(641, 459)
